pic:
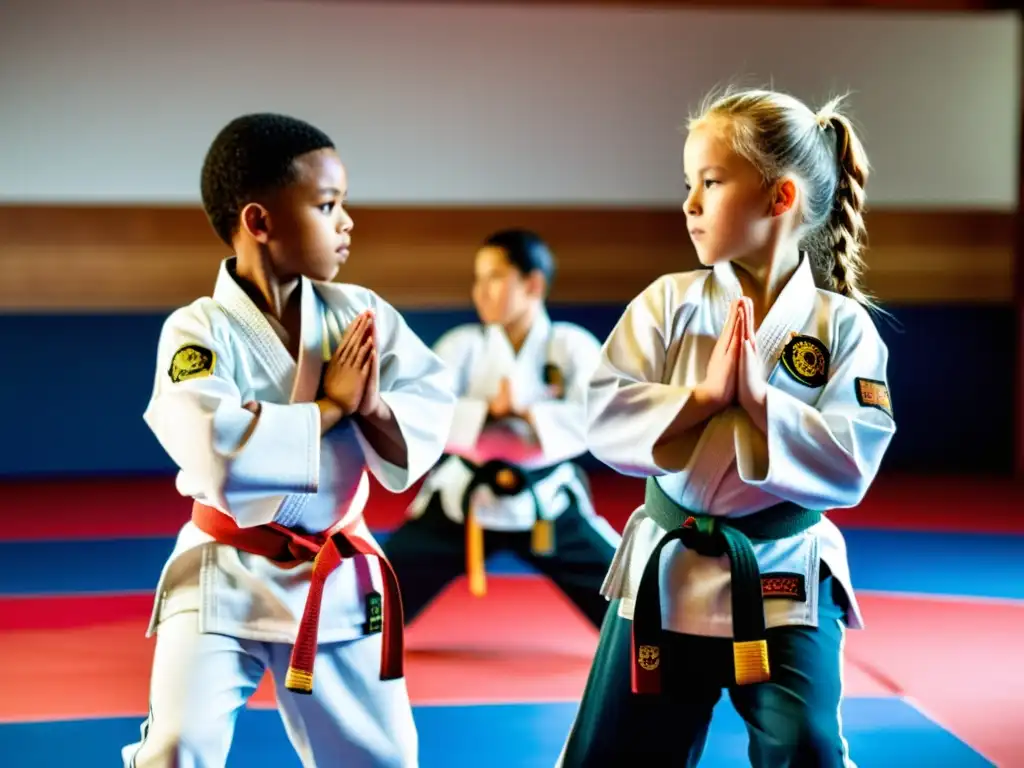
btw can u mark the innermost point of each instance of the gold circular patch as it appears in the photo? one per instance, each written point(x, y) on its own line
point(806, 359)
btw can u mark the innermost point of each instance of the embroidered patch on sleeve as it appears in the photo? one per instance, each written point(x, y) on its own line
point(873, 394)
point(555, 380)
point(192, 362)
point(806, 359)
point(790, 586)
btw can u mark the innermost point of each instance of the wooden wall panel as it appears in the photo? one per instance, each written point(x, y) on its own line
point(149, 258)
point(922, 6)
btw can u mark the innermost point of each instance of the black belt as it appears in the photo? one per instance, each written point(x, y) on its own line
point(504, 479)
point(712, 536)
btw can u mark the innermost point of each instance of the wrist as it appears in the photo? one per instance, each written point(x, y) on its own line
point(525, 414)
point(756, 406)
point(379, 411)
point(330, 414)
point(707, 400)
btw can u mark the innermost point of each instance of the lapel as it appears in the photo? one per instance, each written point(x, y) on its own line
point(498, 351)
point(789, 313)
point(314, 348)
point(300, 380)
point(534, 352)
point(497, 358)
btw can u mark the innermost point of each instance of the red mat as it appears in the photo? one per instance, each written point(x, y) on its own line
point(87, 657)
point(75, 657)
point(959, 661)
point(113, 508)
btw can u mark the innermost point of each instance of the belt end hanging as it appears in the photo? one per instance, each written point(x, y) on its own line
point(750, 658)
point(646, 673)
point(542, 539)
point(299, 681)
point(475, 557)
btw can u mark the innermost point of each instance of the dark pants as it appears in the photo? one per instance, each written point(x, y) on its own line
point(792, 720)
point(429, 552)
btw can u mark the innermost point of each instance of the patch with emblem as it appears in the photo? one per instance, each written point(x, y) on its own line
point(790, 586)
point(553, 378)
point(806, 359)
point(873, 394)
point(192, 362)
point(649, 657)
point(374, 613)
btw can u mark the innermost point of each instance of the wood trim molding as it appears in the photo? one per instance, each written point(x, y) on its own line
point(149, 258)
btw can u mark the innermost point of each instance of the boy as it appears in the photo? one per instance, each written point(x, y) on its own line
point(519, 425)
point(273, 434)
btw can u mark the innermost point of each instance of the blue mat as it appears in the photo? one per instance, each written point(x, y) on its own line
point(882, 733)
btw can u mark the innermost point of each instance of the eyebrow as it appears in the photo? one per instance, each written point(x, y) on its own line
point(707, 168)
point(330, 191)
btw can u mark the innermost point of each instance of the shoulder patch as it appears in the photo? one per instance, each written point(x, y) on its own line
point(554, 378)
point(192, 362)
point(806, 359)
point(553, 375)
point(873, 394)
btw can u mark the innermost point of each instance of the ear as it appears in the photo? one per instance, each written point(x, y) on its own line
point(536, 285)
point(256, 222)
point(784, 197)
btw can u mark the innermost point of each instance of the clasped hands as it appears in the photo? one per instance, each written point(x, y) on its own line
point(501, 406)
point(735, 374)
point(351, 378)
point(351, 382)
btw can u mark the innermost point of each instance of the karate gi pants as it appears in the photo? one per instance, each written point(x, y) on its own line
point(792, 721)
point(429, 552)
point(200, 682)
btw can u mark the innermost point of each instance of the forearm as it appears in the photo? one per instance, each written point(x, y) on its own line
point(757, 409)
point(820, 459)
point(698, 408)
point(559, 428)
point(382, 432)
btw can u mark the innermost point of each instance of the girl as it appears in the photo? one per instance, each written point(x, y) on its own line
point(519, 423)
point(752, 396)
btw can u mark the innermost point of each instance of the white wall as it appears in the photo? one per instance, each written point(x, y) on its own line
point(116, 101)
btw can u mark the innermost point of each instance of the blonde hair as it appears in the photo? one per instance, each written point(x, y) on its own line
point(780, 136)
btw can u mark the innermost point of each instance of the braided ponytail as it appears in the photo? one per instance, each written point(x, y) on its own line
point(845, 231)
point(780, 135)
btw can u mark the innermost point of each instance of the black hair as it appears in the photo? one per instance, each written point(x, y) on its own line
point(252, 154)
point(526, 251)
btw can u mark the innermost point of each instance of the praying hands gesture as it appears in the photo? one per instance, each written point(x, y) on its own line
point(735, 373)
point(352, 389)
point(347, 379)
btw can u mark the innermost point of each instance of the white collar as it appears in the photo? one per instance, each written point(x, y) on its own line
point(790, 311)
point(264, 341)
point(536, 341)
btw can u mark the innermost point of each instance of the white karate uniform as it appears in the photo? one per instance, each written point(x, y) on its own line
point(822, 450)
point(479, 358)
point(221, 615)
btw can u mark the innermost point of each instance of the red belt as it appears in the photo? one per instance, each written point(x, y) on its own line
point(327, 550)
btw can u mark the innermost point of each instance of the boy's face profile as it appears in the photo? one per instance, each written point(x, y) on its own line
point(304, 225)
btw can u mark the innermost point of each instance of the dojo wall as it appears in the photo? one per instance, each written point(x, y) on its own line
point(452, 125)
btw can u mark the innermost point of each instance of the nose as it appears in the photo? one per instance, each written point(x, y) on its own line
point(345, 223)
point(691, 206)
